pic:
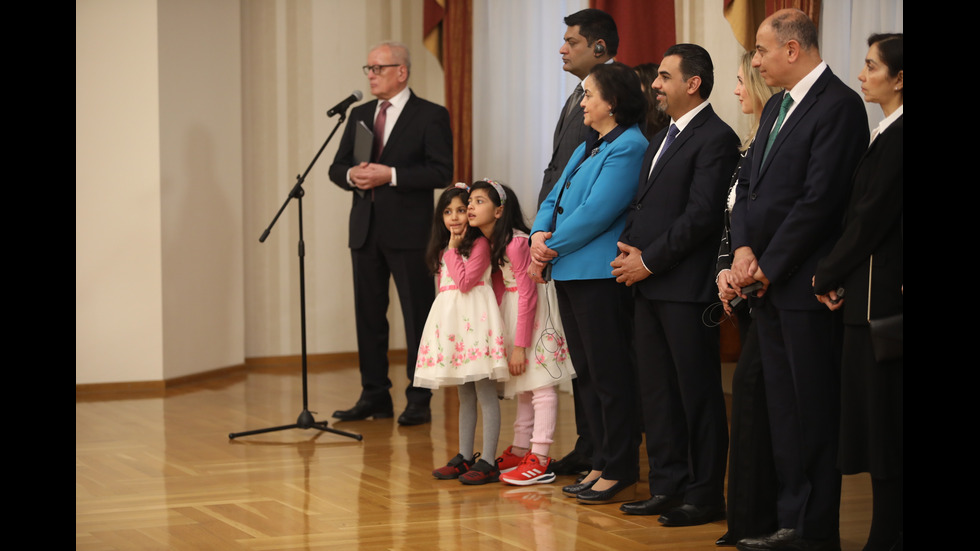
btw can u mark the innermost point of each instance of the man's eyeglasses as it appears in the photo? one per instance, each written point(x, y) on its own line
point(376, 69)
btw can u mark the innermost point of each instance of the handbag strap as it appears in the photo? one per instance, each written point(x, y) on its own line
point(870, 266)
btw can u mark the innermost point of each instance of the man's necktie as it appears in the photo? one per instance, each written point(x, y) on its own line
point(672, 133)
point(379, 130)
point(573, 100)
point(783, 109)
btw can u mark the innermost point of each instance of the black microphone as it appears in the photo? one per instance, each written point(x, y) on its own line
point(342, 106)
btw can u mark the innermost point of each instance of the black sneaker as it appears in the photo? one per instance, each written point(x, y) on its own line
point(480, 473)
point(454, 468)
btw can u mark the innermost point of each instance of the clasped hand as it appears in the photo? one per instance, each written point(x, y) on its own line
point(628, 267)
point(747, 271)
point(540, 256)
point(830, 299)
point(370, 175)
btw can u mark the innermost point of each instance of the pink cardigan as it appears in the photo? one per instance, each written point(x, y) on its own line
point(519, 256)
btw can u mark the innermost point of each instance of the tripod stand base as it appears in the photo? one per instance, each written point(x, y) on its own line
point(304, 421)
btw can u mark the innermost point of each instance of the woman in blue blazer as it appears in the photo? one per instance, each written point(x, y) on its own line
point(574, 235)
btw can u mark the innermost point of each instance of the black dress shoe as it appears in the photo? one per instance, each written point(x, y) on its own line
point(573, 463)
point(415, 414)
point(610, 495)
point(364, 409)
point(726, 541)
point(573, 490)
point(692, 515)
point(656, 505)
point(786, 539)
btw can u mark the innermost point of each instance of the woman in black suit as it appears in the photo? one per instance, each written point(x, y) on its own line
point(751, 473)
point(867, 263)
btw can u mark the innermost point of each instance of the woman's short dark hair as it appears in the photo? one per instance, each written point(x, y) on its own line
point(890, 46)
point(656, 120)
point(619, 85)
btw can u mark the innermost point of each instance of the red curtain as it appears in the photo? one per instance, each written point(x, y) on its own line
point(745, 16)
point(810, 7)
point(448, 33)
point(646, 28)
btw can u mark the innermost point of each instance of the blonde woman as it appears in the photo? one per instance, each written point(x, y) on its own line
point(751, 474)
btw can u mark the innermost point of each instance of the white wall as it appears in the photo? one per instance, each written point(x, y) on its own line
point(201, 185)
point(158, 224)
point(192, 121)
point(118, 280)
point(299, 59)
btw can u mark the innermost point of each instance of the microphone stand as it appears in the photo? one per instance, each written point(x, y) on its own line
point(305, 419)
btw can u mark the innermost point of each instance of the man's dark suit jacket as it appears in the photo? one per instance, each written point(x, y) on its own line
point(677, 214)
point(675, 220)
point(790, 213)
point(420, 149)
point(569, 133)
point(398, 220)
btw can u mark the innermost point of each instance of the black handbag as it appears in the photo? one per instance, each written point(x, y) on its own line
point(886, 332)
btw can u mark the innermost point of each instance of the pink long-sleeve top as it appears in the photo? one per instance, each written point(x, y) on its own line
point(518, 255)
point(468, 272)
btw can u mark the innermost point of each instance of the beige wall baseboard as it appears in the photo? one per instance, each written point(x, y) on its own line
point(139, 389)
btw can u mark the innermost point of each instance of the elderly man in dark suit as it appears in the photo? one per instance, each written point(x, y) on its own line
point(786, 219)
point(390, 219)
point(591, 39)
point(667, 253)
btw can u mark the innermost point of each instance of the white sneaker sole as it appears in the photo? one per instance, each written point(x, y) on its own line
point(529, 479)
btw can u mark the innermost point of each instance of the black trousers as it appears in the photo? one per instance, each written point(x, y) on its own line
point(683, 402)
point(374, 266)
point(751, 473)
point(595, 314)
point(801, 351)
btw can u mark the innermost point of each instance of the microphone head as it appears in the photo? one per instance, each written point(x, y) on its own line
point(357, 95)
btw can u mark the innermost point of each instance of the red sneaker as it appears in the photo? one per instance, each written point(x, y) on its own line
point(454, 468)
point(480, 473)
point(508, 461)
point(530, 471)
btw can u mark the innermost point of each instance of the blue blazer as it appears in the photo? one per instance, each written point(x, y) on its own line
point(592, 212)
point(790, 213)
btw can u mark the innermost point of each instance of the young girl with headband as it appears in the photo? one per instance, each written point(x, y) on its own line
point(463, 341)
point(537, 356)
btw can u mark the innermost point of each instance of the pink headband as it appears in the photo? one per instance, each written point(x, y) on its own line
point(500, 190)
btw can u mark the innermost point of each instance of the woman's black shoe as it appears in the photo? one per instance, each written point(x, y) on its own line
point(573, 490)
point(613, 494)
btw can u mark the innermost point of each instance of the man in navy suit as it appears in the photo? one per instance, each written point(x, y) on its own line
point(786, 218)
point(390, 219)
point(668, 253)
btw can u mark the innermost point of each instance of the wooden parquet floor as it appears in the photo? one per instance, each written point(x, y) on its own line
point(161, 473)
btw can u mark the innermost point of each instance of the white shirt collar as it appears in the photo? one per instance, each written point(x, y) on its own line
point(687, 117)
point(803, 86)
point(888, 121)
point(397, 101)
